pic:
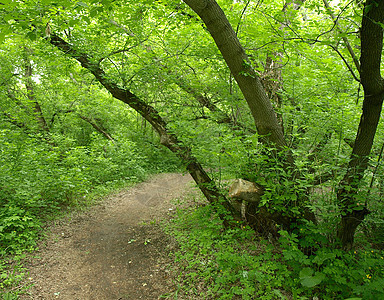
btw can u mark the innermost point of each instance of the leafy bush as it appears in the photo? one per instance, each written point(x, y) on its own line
point(18, 230)
point(333, 273)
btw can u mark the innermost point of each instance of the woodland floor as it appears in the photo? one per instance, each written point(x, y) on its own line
point(112, 251)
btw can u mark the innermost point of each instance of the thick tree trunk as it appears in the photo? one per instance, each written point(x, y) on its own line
point(248, 80)
point(169, 140)
point(353, 213)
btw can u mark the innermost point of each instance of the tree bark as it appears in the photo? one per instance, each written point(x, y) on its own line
point(373, 84)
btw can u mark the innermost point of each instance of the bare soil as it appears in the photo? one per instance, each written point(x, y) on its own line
point(115, 250)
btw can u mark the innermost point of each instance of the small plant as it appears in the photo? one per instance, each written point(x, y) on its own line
point(333, 273)
point(12, 274)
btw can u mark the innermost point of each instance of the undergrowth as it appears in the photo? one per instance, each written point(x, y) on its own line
point(217, 263)
point(39, 183)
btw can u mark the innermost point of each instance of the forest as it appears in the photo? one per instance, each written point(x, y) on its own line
point(96, 95)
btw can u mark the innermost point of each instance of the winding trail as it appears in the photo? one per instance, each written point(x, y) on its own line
point(113, 251)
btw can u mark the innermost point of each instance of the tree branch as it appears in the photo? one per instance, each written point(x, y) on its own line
point(346, 42)
point(346, 63)
point(98, 128)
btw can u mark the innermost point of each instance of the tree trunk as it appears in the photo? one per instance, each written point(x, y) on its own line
point(238, 62)
point(169, 140)
point(37, 112)
point(353, 213)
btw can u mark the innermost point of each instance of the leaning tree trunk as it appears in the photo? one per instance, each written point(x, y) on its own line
point(353, 212)
point(169, 140)
point(240, 66)
point(37, 111)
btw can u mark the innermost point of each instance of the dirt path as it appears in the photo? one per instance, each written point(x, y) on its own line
point(112, 251)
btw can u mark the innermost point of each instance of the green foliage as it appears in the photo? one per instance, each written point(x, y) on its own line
point(66, 164)
point(18, 230)
point(223, 264)
point(218, 263)
point(160, 52)
point(332, 273)
point(37, 180)
point(12, 273)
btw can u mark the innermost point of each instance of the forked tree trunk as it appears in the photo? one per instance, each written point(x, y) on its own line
point(353, 212)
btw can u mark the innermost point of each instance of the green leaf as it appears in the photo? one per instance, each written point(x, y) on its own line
point(82, 4)
point(94, 12)
point(5, 2)
point(86, 19)
point(307, 280)
point(73, 22)
point(307, 272)
point(2, 37)
point(31, 35)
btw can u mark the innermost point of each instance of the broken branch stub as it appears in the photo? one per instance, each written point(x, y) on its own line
point(244, 190)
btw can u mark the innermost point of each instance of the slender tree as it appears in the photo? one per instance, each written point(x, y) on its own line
point(370, 60)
